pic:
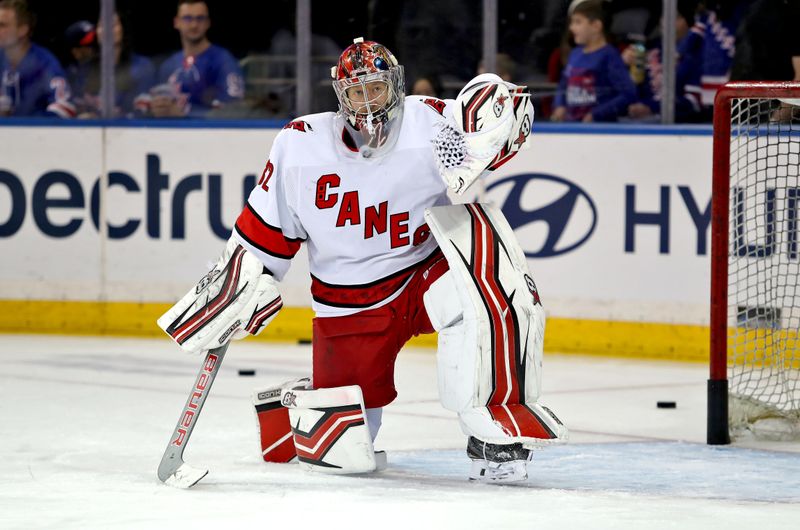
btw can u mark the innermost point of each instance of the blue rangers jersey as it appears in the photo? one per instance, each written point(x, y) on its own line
point(204, 81)
point(689, 67)
point(37, 86)
point(134, 78)
point(719, 47)
point(596, 83)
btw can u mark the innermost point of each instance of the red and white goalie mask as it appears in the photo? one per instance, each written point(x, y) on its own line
point(370, 86)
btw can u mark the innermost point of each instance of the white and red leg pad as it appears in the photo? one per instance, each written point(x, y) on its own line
point(330, 429)
point(534, 425)
point(272, 418)
point(491, 323)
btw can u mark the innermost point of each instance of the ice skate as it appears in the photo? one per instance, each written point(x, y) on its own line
point(498, 463)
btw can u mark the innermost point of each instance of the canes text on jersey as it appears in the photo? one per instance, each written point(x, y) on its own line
point(376, 219)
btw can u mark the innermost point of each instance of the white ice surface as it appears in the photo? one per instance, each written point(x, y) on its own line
point(84, 421)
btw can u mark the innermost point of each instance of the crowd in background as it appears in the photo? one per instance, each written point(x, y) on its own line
point(586, 60)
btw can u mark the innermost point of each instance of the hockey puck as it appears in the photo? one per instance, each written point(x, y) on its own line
point(247, 372)
point(304, 341)
point(666, 404)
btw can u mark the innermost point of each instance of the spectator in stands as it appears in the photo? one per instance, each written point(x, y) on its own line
point(689, 64)
point(595, 85)
point(506, 68)
point(717, 25)
point(428, 85)
point(32, 82)
point(200, 77)
point(134, 75)
point(81, 41)
point(767, 46)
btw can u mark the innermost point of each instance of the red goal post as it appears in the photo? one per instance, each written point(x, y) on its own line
point(754, 128)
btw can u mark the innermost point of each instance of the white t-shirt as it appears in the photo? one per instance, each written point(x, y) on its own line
point(362, 218)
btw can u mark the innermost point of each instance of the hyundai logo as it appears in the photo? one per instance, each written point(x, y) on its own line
point(550, 215)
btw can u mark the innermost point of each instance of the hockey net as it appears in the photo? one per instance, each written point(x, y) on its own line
point(755, 313)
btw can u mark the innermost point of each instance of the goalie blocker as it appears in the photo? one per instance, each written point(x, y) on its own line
point(490, 320)
point(236, 298)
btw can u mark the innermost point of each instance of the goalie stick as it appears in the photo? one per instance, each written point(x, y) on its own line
point(172, 470)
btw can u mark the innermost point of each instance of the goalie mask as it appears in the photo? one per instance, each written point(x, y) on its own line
point(370, 87)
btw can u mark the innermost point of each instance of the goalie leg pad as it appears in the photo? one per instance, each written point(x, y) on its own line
point(330, 430)
point(534, 425)
point(272, 420)
point(491, 327)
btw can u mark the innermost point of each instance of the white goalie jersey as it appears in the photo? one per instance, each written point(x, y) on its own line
point(362, 219)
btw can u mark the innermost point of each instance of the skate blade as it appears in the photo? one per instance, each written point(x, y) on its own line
point(380, 460)
point(185, 477)
point(509, 473)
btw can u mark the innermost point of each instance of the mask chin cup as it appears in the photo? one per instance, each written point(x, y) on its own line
point(377, 136)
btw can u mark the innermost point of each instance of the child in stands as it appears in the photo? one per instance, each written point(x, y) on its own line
point(595, 85)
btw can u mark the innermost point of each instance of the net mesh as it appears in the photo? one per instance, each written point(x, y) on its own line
point(764, 269)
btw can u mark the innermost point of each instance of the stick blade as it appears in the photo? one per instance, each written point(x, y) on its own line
point(185, 476)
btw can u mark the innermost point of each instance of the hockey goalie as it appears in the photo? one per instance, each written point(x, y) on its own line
point(366, 189)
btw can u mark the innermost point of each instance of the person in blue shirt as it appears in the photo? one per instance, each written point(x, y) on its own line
point(595, 85)
point(200, 77)
point(688, 69)
point(717, 26)
point(32, 81)
point(134, 75)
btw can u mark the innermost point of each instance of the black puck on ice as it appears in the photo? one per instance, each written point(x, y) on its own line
point(247, 372)
point(304, 341)
point(666, 404)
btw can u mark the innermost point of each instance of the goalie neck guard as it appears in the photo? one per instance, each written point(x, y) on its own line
point(370, 86)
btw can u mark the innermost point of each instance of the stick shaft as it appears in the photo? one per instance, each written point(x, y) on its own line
point(173, 455)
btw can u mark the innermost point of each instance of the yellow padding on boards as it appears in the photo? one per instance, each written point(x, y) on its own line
point(764, 348)
point(643, 340)
point(124, 319)
point(612, 339)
